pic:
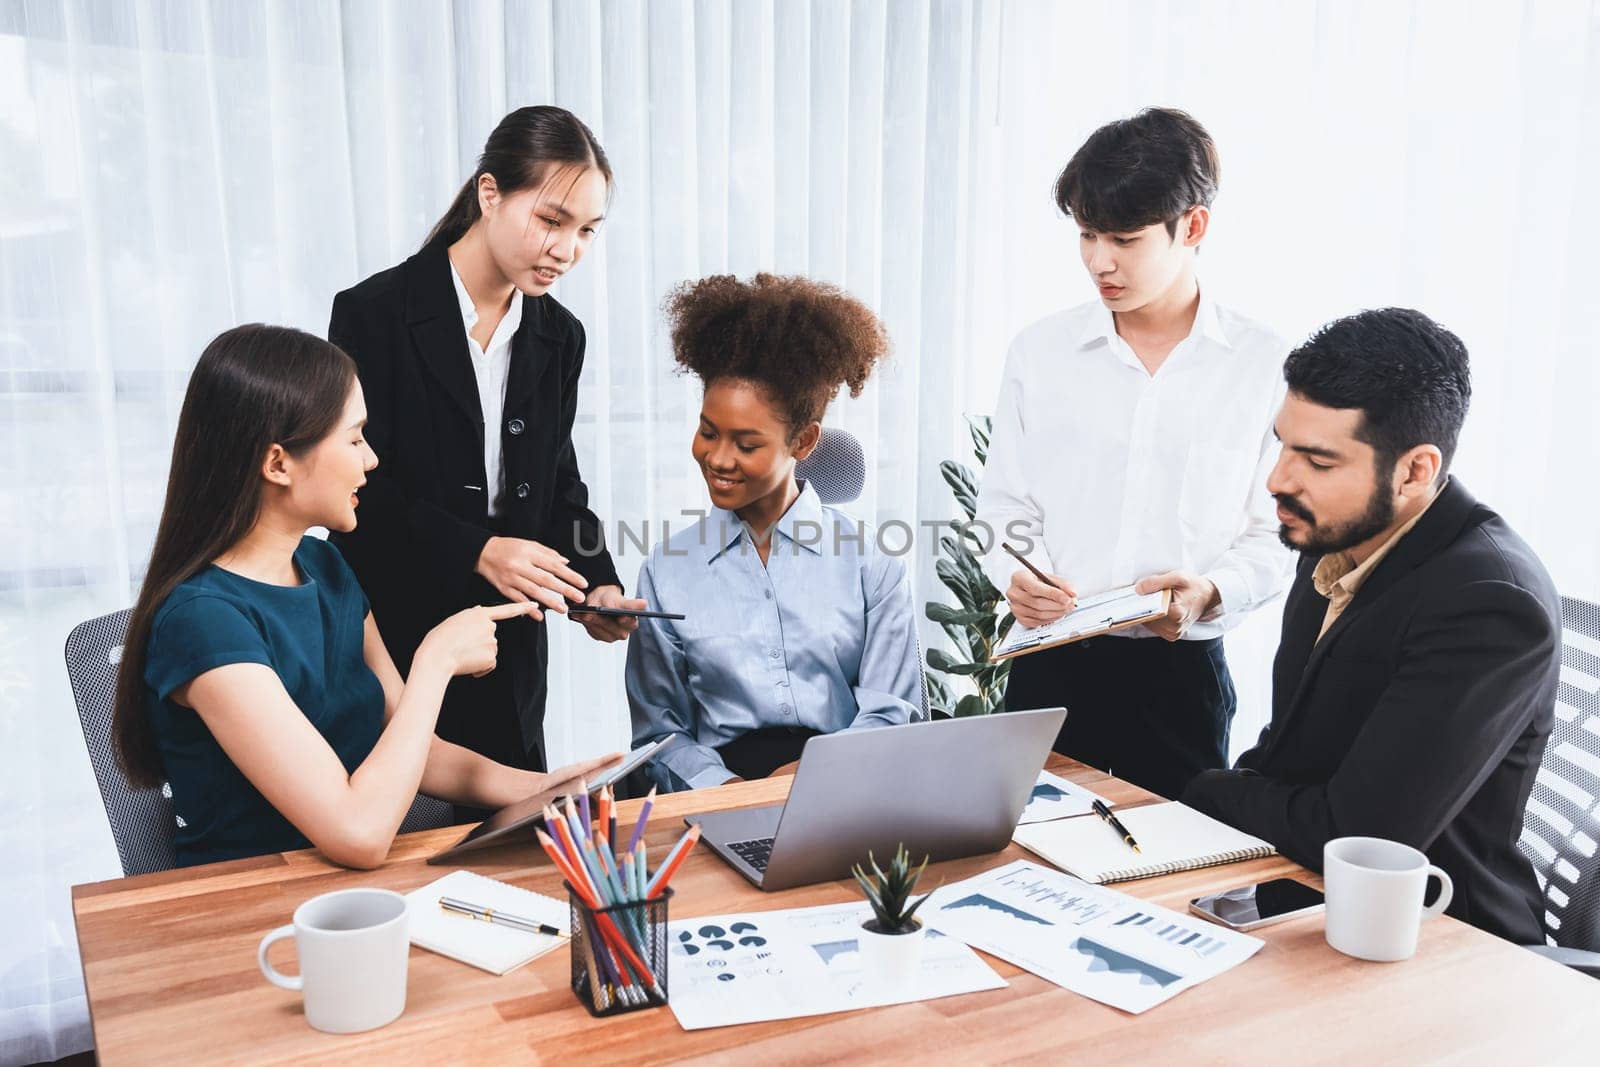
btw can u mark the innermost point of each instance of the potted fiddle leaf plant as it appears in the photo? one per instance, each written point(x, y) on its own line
point(891, 941)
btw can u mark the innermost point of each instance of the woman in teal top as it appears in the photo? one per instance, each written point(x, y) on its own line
point(253, 679)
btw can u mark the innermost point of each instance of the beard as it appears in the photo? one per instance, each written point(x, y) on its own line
point(1322, 539)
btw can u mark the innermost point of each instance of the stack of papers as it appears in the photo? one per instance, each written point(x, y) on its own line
point(1106, 945)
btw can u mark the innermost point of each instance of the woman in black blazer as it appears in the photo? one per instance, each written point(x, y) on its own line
point(471, 371)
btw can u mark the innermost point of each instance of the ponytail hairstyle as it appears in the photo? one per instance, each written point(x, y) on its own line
point(520, 153)
point(253, 387)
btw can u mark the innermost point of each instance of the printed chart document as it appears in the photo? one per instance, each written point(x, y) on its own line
point(731, 969)
point(1056, 798)
point(1106, 945)
point(1115, 609)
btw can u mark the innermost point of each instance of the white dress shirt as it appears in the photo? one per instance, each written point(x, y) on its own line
point(490, 367)
point(1115, 474)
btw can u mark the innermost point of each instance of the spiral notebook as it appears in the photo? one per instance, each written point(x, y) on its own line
point(1171, 837)
point(491, 946)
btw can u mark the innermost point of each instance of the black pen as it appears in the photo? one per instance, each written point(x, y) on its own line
point(1115, 823)
point(490, 915)
point(1037, 573)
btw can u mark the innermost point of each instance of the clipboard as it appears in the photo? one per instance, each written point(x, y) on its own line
point(1115, 609)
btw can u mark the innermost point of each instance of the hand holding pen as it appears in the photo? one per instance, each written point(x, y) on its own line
point(1036, 598)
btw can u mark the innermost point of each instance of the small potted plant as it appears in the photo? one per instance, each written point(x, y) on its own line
point(891, 941)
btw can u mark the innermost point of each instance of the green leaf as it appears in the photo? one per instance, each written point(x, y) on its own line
point(956, 616)
point(980, 427)
point(940, 660)
point(977, 581)
point(963, 484)
point(950, 574)
point(969, 705)
point(956, 634)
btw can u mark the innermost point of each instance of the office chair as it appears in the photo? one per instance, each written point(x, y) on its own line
point(1563, 816)
point(837, 470)
point(143, 820)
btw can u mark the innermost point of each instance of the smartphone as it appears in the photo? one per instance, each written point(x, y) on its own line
point(620, 613)
point(1263, 904)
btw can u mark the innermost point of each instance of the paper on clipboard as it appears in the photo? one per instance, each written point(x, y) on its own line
point(1114, 609)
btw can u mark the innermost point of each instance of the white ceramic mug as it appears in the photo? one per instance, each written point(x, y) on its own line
point(1374, 890)
point(353, 946)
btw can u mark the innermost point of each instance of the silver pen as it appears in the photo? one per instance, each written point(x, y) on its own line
point(490, 915)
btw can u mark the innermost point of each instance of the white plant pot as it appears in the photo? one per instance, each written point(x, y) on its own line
point(891, 963)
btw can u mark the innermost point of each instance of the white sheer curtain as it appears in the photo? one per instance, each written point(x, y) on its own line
point(168, 169)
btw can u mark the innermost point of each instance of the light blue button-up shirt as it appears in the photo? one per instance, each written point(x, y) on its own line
point(823, 636)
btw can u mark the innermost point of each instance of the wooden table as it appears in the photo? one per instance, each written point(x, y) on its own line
point(170, 964)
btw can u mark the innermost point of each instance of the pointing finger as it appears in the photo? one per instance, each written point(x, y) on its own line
point(499, 612)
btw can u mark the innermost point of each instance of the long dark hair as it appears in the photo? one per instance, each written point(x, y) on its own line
point(253, 387)
point(519, 154)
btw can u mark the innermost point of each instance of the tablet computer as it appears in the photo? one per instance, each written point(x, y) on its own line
point(621, 613)
point(524, 815)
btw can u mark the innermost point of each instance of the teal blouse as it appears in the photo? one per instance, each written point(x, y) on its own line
point(311, 636)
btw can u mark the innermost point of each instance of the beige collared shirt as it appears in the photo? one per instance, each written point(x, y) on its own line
point(1338, 578)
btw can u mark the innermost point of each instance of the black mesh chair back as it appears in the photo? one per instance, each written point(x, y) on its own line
point(1563, 818)
point(143, 820)
point(837, 470)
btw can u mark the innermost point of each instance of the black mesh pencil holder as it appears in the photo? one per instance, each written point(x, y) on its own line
point(619, 954)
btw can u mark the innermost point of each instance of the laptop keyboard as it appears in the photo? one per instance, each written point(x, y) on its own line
point(756, 853)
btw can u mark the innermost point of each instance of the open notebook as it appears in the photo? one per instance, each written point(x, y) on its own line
point(495, 948)
point(1172, 837)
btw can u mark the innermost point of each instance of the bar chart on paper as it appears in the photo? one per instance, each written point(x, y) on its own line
point(1178, 934)
point(1106, 945)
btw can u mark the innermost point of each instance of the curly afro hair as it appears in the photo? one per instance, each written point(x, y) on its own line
point(796, 339)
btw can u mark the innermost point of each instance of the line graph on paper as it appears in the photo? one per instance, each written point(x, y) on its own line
point(1073, 908)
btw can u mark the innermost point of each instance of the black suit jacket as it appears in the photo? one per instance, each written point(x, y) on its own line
point(424, 514)
point(1421, 716)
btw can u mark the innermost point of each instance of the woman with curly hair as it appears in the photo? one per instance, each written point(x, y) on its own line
point(798, 625)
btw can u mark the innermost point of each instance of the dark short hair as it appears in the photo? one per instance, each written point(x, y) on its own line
point(1406, 374)
point(1137, 172)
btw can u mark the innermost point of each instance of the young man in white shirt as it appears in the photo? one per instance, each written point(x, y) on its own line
point(1131, 444)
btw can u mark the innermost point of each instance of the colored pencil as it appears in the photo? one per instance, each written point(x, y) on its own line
point(608, 930)
point(644, 815)
point(592, 961)
point(583, 804)
point(674, 860)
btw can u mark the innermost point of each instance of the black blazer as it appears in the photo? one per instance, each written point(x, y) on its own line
point(1420, 717)
point(423, 517)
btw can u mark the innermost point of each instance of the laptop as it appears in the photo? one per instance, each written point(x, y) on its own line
point(947, 788)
